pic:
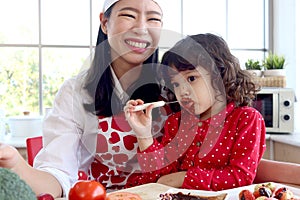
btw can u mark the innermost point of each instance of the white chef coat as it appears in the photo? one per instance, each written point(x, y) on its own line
point(69, 133)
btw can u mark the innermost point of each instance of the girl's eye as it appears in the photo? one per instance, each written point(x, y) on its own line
point(191, 78)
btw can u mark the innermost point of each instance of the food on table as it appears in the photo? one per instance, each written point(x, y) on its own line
point(267, 191)
point(182, 196)
point(270, 185)
point(123, 196)
point(45, 196)
point(283, 193)
point(246, 195)
point(262, 190)
point(265, 198)
point(87, 190)
point(12, 187)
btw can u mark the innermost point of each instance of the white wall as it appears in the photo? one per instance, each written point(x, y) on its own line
point(297, 67)
point(286, 31)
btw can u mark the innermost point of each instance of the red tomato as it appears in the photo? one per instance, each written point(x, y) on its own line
point(123, 196)
point(87, 190)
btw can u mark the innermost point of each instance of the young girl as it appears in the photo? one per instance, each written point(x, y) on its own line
point(216, 140)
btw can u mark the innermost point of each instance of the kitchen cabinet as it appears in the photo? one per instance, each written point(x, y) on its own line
point(283, 147)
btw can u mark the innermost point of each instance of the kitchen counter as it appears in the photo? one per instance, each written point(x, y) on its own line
point(18, 142)
point(282, 147)
point(291, 139)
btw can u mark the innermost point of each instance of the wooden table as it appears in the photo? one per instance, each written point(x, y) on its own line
point(148, 191)
point(151, 191)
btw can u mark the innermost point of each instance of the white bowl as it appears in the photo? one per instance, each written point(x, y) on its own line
point(25, 126)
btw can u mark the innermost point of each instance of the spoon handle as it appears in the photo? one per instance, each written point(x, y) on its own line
point(156, 105)
point(144, 106)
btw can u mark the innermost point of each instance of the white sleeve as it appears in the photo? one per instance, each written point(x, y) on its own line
point(69, 136)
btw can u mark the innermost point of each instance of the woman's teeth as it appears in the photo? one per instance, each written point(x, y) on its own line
point(137, 44)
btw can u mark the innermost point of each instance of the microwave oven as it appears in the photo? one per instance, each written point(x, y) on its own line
point(277, 107)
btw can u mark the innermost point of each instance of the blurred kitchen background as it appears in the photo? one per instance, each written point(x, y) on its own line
point(42, 43)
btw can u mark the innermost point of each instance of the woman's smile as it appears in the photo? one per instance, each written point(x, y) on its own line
point(136, 45)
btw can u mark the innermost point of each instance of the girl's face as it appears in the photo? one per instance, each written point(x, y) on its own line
point(133, 29)
point(194, 91)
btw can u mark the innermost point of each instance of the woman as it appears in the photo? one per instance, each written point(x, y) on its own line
point(122, 68)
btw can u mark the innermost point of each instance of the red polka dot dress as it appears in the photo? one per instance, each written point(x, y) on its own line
point(219, 153)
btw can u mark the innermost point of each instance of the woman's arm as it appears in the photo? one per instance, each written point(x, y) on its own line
point(39, 181)
point(277, 171)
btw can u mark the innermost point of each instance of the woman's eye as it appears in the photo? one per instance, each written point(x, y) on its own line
point(191, 78)
point(155, 19)
point(127, 15)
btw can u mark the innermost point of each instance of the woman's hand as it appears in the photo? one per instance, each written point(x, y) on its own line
point(140, 122)
point(39, 181)
point(174, 180)
point(9, 156)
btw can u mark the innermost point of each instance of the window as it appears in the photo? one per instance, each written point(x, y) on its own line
point(43, 43)
point(243, 24)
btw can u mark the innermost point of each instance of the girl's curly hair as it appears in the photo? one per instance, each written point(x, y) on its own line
point(212, 53)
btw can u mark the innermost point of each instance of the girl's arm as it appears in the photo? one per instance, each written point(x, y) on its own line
point(39, 181)
point(242, 141)
point(277, 171)
point(173, 180)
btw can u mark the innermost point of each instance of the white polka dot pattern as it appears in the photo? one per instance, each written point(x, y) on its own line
point(217, 153)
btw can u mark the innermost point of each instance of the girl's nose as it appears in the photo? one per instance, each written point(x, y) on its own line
point(184, 90)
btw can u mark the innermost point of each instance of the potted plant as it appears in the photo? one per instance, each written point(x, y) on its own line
point(254, 67)
point(274, 65)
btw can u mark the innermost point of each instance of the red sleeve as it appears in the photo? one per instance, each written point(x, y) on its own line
point(161, 157)
point(248, 146)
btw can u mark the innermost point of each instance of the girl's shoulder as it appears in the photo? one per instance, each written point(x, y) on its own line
point(246, 111)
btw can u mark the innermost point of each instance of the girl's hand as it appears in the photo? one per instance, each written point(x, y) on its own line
point(9, 156)
point(140, 122)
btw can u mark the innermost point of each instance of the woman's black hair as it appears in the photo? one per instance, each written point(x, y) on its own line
point(99, 81)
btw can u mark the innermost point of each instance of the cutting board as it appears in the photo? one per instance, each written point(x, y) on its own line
point(150, 191)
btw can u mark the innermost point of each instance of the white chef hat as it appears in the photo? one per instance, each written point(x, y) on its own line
point(108, 3)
